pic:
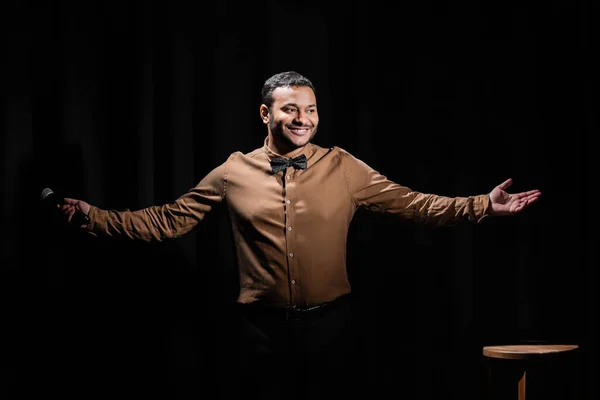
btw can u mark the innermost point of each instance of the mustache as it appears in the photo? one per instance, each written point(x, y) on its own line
point(292, 125)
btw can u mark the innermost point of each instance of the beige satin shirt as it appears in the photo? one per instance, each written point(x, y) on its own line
point(290, 228)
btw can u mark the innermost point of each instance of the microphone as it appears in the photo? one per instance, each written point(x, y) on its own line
point(49, 197)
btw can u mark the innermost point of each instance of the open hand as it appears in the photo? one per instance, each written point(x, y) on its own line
point(504, 203)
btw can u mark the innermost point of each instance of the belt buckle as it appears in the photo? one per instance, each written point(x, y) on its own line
point(294, 313)
point(291, 313)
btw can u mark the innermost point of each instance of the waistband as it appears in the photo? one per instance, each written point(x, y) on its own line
point(293, 313)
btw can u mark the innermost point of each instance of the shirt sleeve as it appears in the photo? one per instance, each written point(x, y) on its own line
point(373, 191)
point(157, 223)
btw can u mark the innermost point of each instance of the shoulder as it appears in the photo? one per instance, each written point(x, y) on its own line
point(245, 161)
point(339, 150)
point(343, 154)
point(252, 154)
point(333, 151)
point(352, 164)
point(239, 155)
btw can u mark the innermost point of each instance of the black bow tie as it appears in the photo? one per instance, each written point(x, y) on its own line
point(279, 164)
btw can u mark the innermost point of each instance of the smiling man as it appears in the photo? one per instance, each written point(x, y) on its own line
point(290, 113)
point(291, 203)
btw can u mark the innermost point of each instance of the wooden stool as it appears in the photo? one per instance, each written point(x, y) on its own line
point(533, 371)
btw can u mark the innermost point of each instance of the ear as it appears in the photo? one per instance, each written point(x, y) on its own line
point(264, 113)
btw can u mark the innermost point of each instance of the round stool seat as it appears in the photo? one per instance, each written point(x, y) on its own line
point(526, 351)
point(537, 371)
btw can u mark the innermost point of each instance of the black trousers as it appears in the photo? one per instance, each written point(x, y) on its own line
point(309, 355)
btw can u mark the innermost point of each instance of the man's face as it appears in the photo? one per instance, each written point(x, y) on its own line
point(293, 119)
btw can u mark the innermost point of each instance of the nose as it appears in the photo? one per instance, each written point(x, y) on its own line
point(301, 118)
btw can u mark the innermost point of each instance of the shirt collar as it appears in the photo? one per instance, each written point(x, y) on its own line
point(308, 150)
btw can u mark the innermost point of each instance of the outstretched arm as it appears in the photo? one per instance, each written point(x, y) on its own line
point(159, 222)
point(147, 224)
point(504, 203)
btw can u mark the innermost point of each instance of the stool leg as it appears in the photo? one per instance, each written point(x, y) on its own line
point(523, 386)
point(506, 381)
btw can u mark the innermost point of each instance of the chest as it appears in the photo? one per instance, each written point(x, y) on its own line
point(255, 195)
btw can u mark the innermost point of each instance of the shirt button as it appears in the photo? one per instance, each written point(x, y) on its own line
point(288, 201)
point(293, 281)
point(289, 228)
point(291, 254)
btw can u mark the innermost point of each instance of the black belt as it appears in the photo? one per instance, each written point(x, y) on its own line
point(292, 313)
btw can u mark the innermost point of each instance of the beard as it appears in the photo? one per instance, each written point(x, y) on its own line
point(285, 141)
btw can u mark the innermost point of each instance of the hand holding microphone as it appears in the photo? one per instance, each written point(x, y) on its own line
point(76, 211)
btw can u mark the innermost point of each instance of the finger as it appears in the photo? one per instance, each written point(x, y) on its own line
point(534, 192)
point(506, 184)
point(531, 195)
point(525, 203)
point(70, 214)
point(528, 194)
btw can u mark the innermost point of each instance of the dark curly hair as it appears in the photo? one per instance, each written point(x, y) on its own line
point(283, 79)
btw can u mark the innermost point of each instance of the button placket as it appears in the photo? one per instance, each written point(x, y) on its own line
point(289, 222)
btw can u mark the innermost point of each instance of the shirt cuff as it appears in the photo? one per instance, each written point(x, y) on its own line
point(482, 207)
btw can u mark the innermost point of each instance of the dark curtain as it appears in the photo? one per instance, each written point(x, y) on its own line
point(129, 104)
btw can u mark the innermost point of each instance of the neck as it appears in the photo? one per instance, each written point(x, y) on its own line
point(282, 150)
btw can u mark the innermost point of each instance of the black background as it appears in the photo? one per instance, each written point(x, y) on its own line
point(129, 104)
